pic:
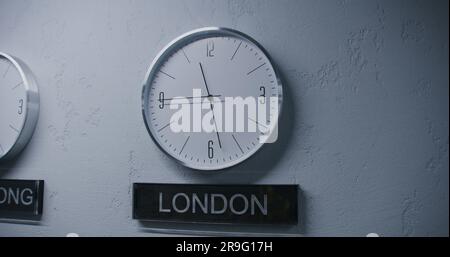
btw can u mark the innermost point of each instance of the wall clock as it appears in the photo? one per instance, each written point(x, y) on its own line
point(219, 63)
point(19, 105)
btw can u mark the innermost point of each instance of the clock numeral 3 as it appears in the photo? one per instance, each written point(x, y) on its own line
point(210, 149)
point(210, 49)
point(20, 110)
point(161, 100)
point(263, 94)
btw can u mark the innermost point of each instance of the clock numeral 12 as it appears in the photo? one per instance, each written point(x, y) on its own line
point(210, 49)
point(210, 149)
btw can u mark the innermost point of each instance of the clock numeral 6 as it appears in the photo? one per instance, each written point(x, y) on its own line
point(210, 49)
point(263, 94)
point(210, 149)
point(161, 100)
point(20, 110)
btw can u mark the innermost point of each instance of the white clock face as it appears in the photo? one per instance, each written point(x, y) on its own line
point(18, 105)
point(221, 65)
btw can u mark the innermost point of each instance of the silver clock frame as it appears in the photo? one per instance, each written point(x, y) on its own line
point(31, 102)
point(180, 42)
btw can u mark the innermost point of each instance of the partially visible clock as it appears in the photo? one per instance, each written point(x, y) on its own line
point(19, 105)
point(220, 63)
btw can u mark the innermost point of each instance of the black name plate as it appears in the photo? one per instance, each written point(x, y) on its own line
point(244, 204)
point(21, 199)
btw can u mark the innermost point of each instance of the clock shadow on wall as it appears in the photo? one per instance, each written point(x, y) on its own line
point(7, 166)
point(248, 172)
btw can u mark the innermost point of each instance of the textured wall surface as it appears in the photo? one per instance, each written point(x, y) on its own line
point(364, 133)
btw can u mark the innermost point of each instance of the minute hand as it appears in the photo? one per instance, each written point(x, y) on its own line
point(212, 107)
point(204, 80)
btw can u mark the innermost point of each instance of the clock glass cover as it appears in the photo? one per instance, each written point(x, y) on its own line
point(205, 70)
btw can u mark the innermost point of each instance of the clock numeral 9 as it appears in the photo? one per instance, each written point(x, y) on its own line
point(210, 149)
point(161, 100)
point(210, 49)
point(20, 110)
point(263, 94)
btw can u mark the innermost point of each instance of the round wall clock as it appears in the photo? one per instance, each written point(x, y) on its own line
point(19, 105)
point(207, 67)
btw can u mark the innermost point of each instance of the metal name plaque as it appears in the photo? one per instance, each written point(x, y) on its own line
point(21, 199)
point(193, 203)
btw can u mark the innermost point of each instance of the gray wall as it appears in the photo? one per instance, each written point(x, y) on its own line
point(364, 132)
